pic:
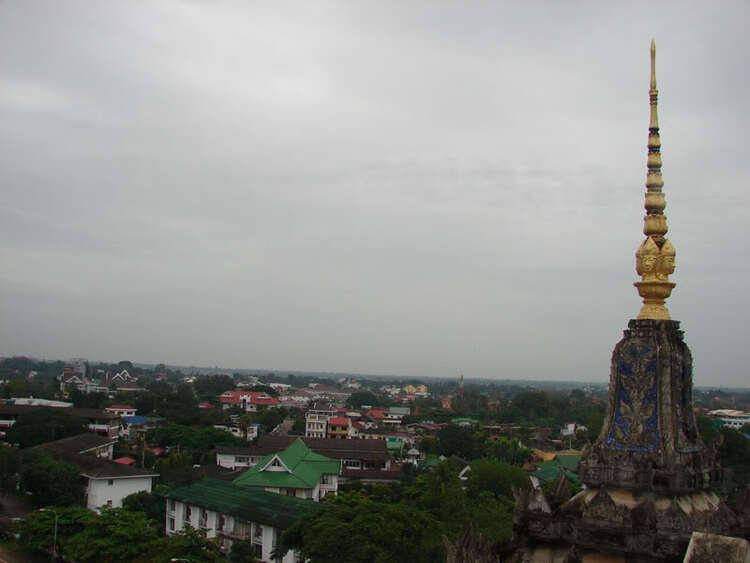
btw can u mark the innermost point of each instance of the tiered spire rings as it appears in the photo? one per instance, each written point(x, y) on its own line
point(655, 258)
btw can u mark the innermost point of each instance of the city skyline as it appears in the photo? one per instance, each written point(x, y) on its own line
point(409, 190)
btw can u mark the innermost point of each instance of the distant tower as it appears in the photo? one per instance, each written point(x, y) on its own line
point(461, 387)
point(648, 475)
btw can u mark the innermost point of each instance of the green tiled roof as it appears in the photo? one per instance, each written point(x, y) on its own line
point(568, 461)
point(549, 471)
point(431, 460)
point(306, 468)
point(247, 503)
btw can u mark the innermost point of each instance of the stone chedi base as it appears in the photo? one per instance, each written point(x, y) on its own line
point(647, 476)
point(650, 440)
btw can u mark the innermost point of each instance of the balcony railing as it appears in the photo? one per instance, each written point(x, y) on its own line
point(236, 533)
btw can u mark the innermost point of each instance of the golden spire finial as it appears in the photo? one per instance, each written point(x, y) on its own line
point(655, 256)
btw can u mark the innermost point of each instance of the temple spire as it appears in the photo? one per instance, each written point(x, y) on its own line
point(655, 257)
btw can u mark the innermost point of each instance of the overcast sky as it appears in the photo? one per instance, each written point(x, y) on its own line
point(378, 187)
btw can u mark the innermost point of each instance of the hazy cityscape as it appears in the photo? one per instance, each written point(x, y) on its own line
point(351, 282)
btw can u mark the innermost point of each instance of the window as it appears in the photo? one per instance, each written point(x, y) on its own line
point(111, 482)
point(257, 532)
point(290, 492)
point(171, 524)
point(171, 505)
point(221, 521)
point(241, 459)
point(203, 521)
point(109, 502)
point(188, 512)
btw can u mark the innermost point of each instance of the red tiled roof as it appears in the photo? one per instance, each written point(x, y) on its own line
point(375, 413)
point(338, 421)
point(205, 405)
point(124, 460)
point(253, 397)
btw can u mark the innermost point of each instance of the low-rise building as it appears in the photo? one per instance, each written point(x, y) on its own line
point(234, 513)
point(107, 482)
point(295, 471)
point(121, 410)
point(338, 428)
point(731, 418)
point(354, 455)
point(316, 420)
point(248, 401)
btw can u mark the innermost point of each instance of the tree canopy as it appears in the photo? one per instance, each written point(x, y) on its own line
point(44, 425)
point(350, 528)
point(51, 482)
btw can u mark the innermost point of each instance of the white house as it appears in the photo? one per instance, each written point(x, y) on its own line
point(107, 482)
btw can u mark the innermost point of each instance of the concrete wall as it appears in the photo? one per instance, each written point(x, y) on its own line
point(99, 491)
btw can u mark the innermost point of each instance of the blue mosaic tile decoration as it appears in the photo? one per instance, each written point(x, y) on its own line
point(636, 417)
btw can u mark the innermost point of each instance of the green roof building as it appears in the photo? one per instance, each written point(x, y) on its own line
point(296, 471)
point(550, 470)
point(232, 513)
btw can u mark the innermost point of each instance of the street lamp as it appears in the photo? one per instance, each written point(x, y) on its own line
point(54, 541)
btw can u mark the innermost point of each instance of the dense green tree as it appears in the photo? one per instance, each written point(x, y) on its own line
point(734, 453)
point(51, 482)
point(176, 470)
point(44, 425)
point(114, 535)
point(270, 418)
point(10, 464)
point(298, 429)
point(198, 440)
point(182, 407)
point(471, 403)
point(151, 504)
point(37, 528)
point(707, 428)
point(495, 477)
point(213, 385)
point(594, 423)
point(442, 495)
point(351, 528)
point(492, 517)
point(359, 398)
point(507, 450)
point(241, 552)
point(189, 545)
point(87, 400)
point(458, 440)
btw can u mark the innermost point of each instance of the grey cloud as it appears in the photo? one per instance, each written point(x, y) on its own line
point(416, 189)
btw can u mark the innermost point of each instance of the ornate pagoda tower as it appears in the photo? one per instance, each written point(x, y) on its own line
point(647, 477)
